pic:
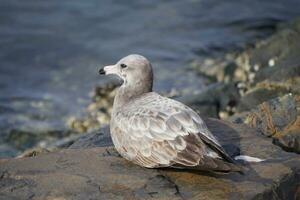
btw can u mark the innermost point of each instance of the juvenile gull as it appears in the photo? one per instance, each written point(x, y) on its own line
point(154, 131)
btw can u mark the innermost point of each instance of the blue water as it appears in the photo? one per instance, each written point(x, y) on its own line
point(50, 50)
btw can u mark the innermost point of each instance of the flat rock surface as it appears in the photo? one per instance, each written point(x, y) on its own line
point(100, 173)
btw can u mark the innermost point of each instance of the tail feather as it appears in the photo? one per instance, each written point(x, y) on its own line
point(214, 165)
point(248, 158)
point(225, 166)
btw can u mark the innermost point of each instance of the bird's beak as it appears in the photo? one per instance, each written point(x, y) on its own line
point(110, 69)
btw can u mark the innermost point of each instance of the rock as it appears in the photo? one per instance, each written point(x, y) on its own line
point(217, 69)
point(215, 99)
point(94, 139)
point(33, 152)
point(100, 173)
point(98, 138)
point(277, 118)
point(266, 90)
point(97, 112)
point(270, 117)
point(289, 139)
point(26, 138)
point(158, 187)
point(258, 95)
point(283, 70)
point(273, 116)
point(275, 58)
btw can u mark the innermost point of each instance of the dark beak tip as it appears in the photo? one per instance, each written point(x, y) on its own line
point(101, 71)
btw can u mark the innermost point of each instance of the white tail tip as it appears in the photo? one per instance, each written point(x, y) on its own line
point(248, 158)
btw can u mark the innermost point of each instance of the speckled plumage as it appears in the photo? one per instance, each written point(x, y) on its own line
point(154, 131)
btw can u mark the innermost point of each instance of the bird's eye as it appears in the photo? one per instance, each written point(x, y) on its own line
point(123, 65)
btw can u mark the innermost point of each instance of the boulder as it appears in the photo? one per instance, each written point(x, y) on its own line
point(100, 173)
point(277, 118)
point(273, 116)
point(289, 140)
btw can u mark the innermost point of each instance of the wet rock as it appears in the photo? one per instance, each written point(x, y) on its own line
point(93, 173)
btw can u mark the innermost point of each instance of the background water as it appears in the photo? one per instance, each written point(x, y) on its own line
point(50, 51)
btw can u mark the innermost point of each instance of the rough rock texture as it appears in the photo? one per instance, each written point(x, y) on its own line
point(289, 139)
point(277, 118)
point(213, 100)
point(265, 76)
point(100, 173)
point(273, 116)
point(271, 67)
point(94, 139)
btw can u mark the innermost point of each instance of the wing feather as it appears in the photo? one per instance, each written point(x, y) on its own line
point(164, 133)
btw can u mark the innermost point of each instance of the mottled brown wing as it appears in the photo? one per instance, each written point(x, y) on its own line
point(161, 132)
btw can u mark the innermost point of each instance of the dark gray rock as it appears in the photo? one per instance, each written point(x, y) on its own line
point(289, 141)
point(100, 173)
point(217, 97)
point(99, 138)
point(283, 70)
point(275, 58)
point(258, 95)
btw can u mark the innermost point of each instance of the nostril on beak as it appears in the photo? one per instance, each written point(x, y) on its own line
point(101, 71)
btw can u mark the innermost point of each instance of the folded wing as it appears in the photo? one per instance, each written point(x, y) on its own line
point(165, 133)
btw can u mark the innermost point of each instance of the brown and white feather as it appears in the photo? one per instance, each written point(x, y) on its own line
point(153, 131)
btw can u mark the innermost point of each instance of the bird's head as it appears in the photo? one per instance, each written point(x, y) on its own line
point(135, 71)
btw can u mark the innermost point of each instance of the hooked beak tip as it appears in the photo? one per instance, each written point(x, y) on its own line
point(101, 71)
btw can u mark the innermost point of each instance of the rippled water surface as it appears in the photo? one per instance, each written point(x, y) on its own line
point(50, 51)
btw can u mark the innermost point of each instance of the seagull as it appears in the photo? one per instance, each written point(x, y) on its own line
point(158, 132)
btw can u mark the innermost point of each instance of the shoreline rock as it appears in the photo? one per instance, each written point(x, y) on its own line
point(265, 76)
point(100, 173)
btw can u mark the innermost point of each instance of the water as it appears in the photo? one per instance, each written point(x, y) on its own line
point(50, 51)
